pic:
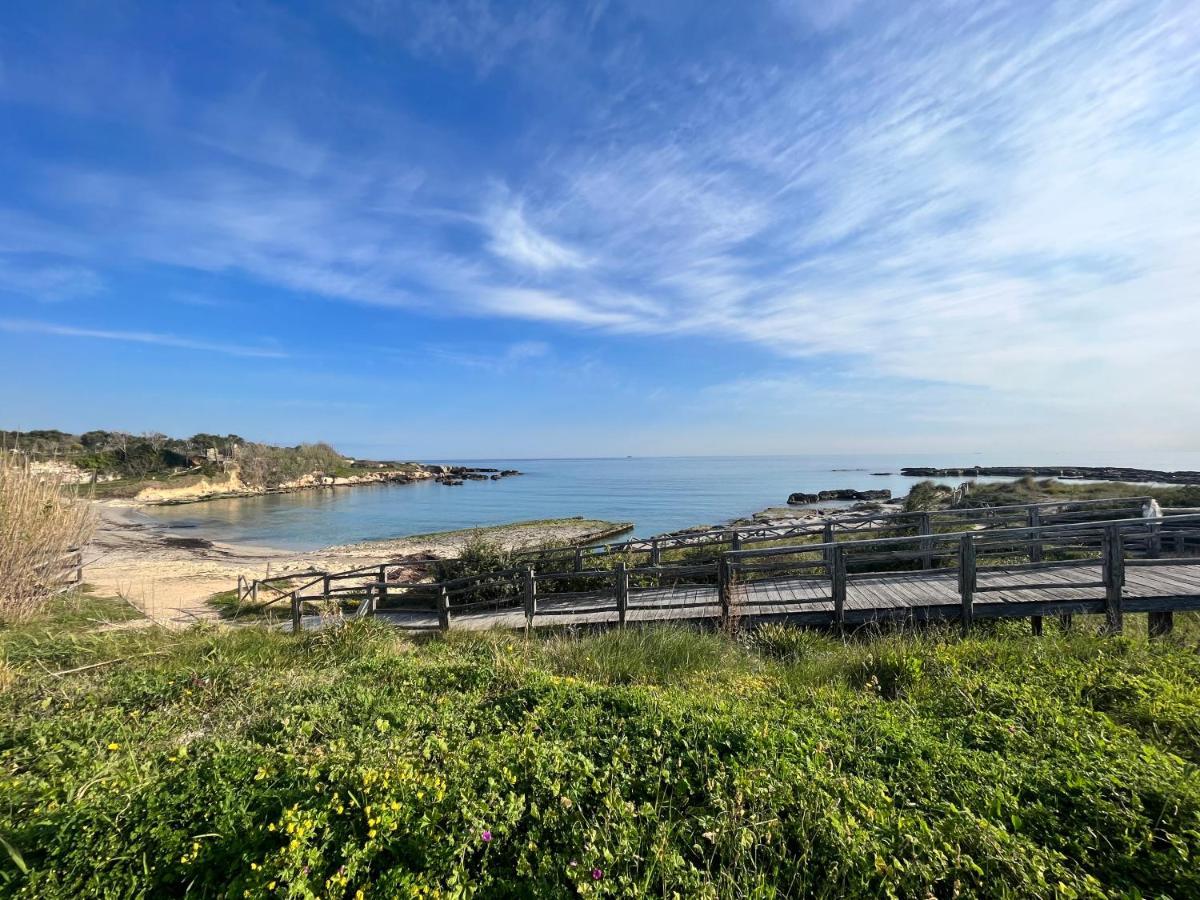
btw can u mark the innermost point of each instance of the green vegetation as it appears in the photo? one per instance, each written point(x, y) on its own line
point(122, 464)
point(247, 763)
point(1031, 490)
point(40, 523)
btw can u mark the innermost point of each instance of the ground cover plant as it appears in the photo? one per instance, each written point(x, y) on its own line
point(667, 762)
point(40, 521)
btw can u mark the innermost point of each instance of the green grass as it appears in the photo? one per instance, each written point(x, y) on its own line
point(232, 763)
point(1031, 490)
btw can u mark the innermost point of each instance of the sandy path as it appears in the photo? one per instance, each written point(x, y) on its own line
point(169, 574)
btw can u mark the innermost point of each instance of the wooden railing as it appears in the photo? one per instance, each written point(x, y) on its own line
point(826, 570)
point(1108, 546)
point(65, 573)
point(828, 530)
point(349, 585)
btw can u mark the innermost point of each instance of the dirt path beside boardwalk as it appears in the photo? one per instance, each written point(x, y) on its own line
point(169, 574)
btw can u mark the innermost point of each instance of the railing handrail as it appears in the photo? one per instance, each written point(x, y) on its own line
point(720, 535)
point(957, 535)
point(723, 535)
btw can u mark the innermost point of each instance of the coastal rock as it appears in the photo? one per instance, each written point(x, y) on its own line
point(800, 499)
point(1091, 473)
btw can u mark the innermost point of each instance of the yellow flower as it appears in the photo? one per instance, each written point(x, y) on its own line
point(114, 746)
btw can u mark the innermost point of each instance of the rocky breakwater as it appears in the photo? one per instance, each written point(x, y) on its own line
point(1087, 473)
point(800, 499)
point(457, 475)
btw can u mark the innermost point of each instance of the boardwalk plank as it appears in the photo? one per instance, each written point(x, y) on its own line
point(806, 599)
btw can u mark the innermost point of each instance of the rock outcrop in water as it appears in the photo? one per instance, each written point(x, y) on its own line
point(1090, 473)
point(799, 499)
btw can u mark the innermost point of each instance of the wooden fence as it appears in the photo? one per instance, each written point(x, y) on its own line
point(63, 574)
point(349, 586)
point(1026, 571)
point(926, 522)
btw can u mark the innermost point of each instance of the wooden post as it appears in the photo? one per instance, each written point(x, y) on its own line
point(325, 588)
point(926, 529)
point(295, 613)
point(578, 559)
point(967, 574)
point(827, 538)
point(382, 594)
point(723, 592)
point(1154, 544)
point(254, 592)
point(1159, 624)
point(530, 597)
point(1035, 623)
point(837, 580)
point(736, 543)
point(443, 607)
point(622, 587)
point(655, 553)
point(1035, 549)
point(1114, 554)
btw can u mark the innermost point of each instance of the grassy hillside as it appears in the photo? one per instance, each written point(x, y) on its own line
point(1032, 490)
point(246, 763)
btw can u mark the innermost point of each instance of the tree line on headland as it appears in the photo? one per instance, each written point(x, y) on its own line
point(119, 454)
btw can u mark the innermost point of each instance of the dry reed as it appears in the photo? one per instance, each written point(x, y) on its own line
point(41, 521)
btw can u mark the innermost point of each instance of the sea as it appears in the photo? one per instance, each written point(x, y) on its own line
point(655, 494)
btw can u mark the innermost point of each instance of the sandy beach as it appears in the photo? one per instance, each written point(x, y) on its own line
point(169, 573)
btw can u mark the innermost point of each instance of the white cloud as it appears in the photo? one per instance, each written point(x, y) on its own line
point(493, 359)
point(25, 326)
point(515, 240)
point(979, 194)
point(48, 282)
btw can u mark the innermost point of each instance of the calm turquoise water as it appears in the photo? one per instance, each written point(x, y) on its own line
point(657, 494)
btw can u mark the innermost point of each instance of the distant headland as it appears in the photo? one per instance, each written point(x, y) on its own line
point(1090, 473)
point(156, 469)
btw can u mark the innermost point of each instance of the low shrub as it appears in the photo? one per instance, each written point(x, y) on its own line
point(666, 762)
point(39, 522)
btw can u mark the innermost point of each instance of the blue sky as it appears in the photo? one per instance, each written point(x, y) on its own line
point(592, 228)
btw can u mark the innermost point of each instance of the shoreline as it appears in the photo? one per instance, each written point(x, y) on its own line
point(154, 492)
point(169, 573)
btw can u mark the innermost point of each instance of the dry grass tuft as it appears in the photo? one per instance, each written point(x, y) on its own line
point(40, 521)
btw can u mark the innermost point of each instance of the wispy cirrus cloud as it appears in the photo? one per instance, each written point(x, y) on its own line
point(515, 240)
point(26, 326)
point(47, 282)
point(489, 358)
point(982, 195)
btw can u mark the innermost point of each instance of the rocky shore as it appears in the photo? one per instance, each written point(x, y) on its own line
point(1088, 473)
point(231, 486)
point(801, 499)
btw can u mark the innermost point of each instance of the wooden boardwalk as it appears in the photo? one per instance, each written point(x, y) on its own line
point(1113, 567)
point(914, 595)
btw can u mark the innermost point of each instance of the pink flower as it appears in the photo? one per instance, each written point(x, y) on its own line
point(485, 835)
point(597, 874)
